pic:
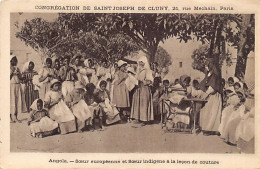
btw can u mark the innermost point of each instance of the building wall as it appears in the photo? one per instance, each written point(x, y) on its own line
point(181, 66)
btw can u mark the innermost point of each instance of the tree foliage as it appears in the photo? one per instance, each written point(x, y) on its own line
point(115, 35)
point(53, 38)
point(162, 57)
point(146, 30)
point(219, 29)
point(199, 57)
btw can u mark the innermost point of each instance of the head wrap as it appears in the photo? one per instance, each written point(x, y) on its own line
point(149, 72)
point(26, 66)
point(34, 104)
point(183, 77)
point(45, 61)
point(86, 62)
point(212, 67)
point(13, 57)
point(145, 61)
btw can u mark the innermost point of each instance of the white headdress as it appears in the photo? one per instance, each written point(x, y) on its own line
point(26, 66)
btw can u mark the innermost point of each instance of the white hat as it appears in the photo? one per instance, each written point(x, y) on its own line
point(121, 63)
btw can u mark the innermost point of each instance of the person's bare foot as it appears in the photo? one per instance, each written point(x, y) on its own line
point(19, 121)
point(13, 121)
point(40, 135)
point(80, 131)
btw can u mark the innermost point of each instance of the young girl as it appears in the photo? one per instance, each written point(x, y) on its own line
point(58, 110)
point(80, 71)
point(90, 71)
point(121, 94)
point(92, 105)
point(45, 77)
point(233, 100)
point(245, 132)
point(103, 73)
point(102, 97)
point(234, 119)
point(27, 75)
point(40, 124)
point(17, 104)
point(68, 77)
point(80, 109)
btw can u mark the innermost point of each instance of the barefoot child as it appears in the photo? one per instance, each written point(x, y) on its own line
point(102, 97)
point(80, 109)
point(58, 110)
point(40, 124)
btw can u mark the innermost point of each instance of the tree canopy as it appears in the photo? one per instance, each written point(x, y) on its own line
point(115, 35)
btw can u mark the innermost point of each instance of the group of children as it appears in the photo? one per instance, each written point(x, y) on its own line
point(237, 121)
point(70, 95)
point(75, 94)
point(237, 118)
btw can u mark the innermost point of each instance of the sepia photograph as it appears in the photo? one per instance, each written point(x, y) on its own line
point(132, 83)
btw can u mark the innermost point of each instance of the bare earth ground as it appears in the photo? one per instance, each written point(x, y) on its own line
point(119, 138)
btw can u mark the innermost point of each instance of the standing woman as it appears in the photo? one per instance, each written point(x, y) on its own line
point(121, 94)
point(142, 106)
point(16, 101)
point(45, 77)
point(210, 114)
point(90, 71)
point(27, 75)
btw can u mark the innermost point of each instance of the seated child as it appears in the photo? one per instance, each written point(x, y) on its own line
point(177, 106)
point(232, 101)
point(237, 86)
point(159, 94)
point(195, 91)
point(229, 132)
point(92, 105)
point(40, 124)
point(230, 81)
point(58, 110)
point(103, 99)
point(245, 132)
point(75, 100)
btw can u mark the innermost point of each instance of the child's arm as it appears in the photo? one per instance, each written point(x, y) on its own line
point(30, 117)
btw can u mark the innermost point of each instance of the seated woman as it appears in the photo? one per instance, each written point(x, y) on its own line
point(103, 99)
point(179, 108)
point(229, 131)
point(40, 124)
point(232, 102)
point(245, 132)
point(159, 92)
point(75, 100)
point(58, 110)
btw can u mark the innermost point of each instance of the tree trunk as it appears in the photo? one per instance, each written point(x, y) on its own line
point(242, 52)
point(152, 52)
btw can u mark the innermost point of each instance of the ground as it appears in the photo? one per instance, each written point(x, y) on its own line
point(119, 138)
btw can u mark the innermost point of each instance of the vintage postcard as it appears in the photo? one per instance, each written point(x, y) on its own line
point(134, 84)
